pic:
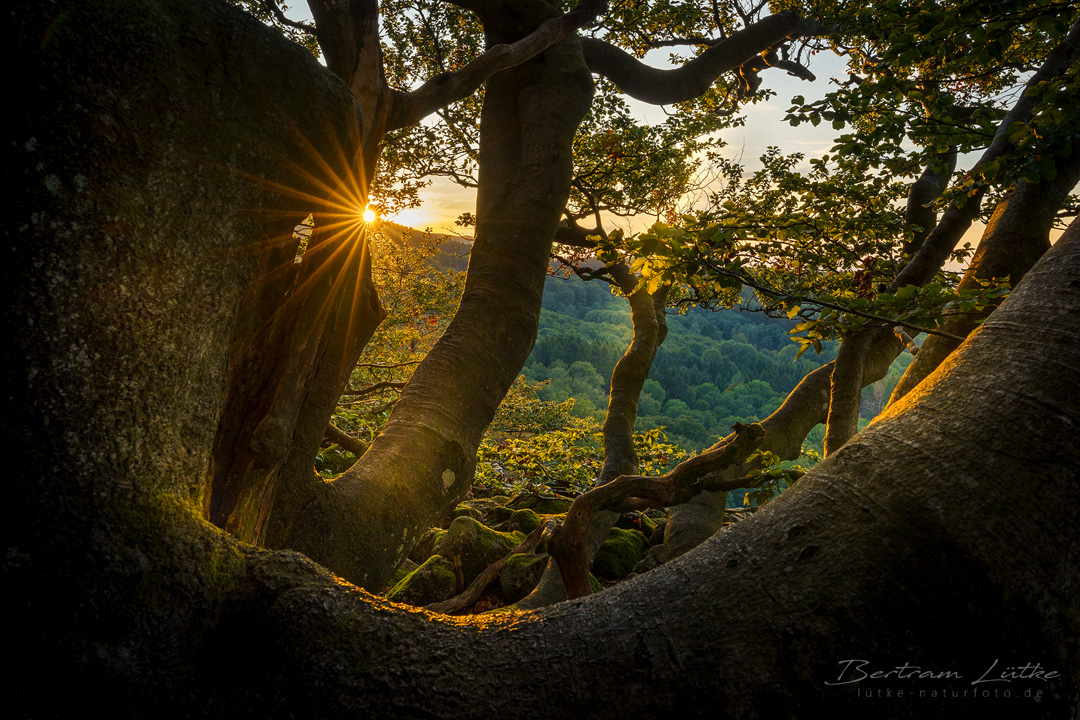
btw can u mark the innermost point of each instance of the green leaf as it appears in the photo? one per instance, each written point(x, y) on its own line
point(1048, 168)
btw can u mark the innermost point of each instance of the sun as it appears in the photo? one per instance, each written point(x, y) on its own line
point(369, 215)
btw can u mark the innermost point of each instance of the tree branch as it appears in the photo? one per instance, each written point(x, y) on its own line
point(445, 88)
point(663, 87)
point(957, 219)
point(569, 544)
point(354, 445)
point(824, 303)
point(273, 9)
point(374, 388)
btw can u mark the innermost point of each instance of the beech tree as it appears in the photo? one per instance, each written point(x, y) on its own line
point(168, 357)
point(307, 321)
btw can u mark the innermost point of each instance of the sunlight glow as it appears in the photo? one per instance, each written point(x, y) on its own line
point(369, 215)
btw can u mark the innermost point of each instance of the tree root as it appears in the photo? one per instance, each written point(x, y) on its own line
point(636, 492)
point(477, 586)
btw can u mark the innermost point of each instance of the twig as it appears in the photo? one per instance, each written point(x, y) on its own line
point(832, 306)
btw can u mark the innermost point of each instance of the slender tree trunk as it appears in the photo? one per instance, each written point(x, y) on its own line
point(1015, 238)
point(620, 457)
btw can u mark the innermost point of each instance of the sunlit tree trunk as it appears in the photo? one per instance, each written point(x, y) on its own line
point(422, 462)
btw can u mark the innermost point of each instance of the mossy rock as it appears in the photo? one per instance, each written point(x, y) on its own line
point(539, 504)
point(476, 545)
point(500, 499)
point(498, 515)
point(636, 521)
point(521, 574)
point(467, 510)
point(523, 521)
point(621, 551)
point(433, 581)
point(406, 567)
point(425, 546)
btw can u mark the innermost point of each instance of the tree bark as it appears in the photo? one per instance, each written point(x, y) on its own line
point(910, 545)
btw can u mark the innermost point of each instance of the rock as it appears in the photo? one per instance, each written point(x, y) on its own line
point(466, 509)
point(688, 525)
point(521, 574)
point(433, 581)
point(523, 521)
point(425, 546)
point(539, 504)
point(636, 521)
point(406, 567)
point(498, 515)
point(476, 545)
point(617, 557)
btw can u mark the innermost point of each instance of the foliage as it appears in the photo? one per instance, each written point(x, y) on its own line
point(773, 476)
point(716, 367)
point(535, 443)
point(419, 299)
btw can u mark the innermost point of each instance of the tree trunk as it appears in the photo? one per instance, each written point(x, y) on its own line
point(1016, 236)
point(363, 523)
point(620, 457)
point(912, 544)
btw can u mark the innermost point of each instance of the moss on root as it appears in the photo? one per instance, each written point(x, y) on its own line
point(476, 545)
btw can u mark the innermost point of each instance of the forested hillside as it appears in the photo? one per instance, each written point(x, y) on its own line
point(714, 369)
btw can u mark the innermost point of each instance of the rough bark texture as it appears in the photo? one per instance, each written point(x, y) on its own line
point(911, 544)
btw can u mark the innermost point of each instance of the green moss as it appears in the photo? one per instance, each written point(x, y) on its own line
point(433, 581)
point(467, 510)
point(539, 504)
point(498, 515)
point(476, 545)
point(523, 521)
point(636, 521)
point(425, 546)
point(521, 574)
point(621, 551)
point(406, 567)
